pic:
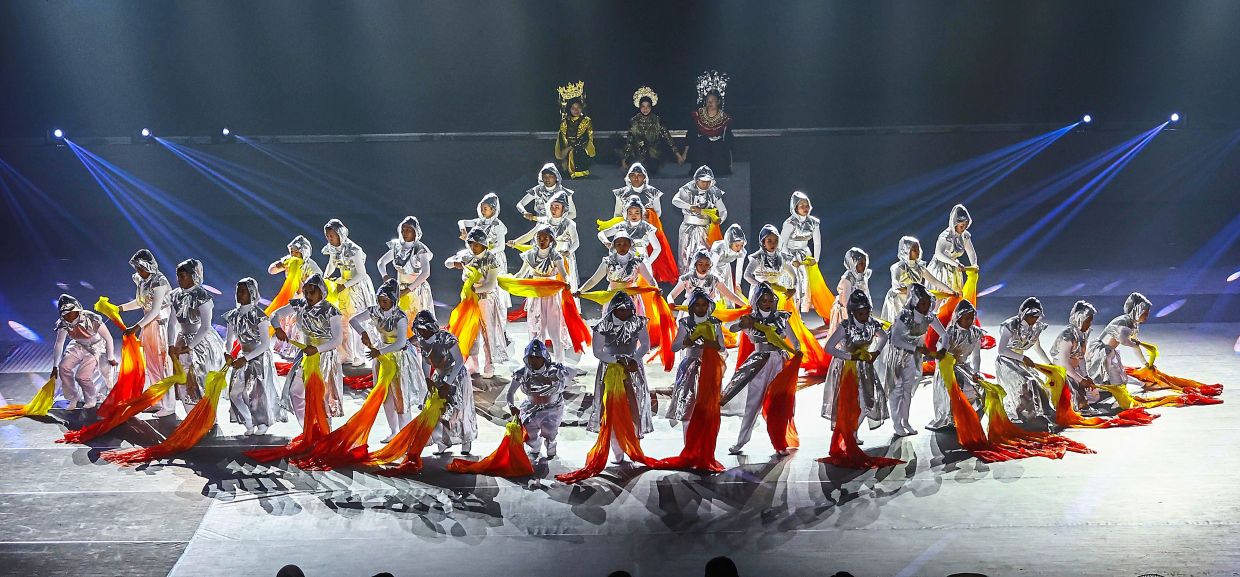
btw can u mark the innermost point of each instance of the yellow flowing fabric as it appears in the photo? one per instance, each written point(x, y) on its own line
point(713, 233)
point(816, 361)
point(466, 318)
point(347, 445)
point(333, 292)
point(37, 407)
point(530, 288)
point(521, 247)
point(661, 323)
point(508, 460)
point(129, 408)
point(410, 440)
point(196, 425)
point(292, 282)
point(617, 419)
point(316, 424)
point(1066, 415)
point(1155, 380)
point(819, 295)
point(1127, 400)
point(606, 224)
point(131, 376)
point(578, 332)
point(1012, 438)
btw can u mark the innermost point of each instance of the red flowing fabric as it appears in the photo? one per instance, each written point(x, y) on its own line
point(779, 406)
point(713, 233)
point(744, 348)
point(1065, 411)
point(819, 295)
point(508, 460)
point(1024, 443)
point(969, 293)
point(969, 432)
point(517, 314)
point(1155, 379)
point(409, 441)
point(466, 317)
point(578, 332)
point(844, 449)
point(816, 361)
point(282, 368)
point(124, 411)
point(359, 382)
point(347, 445)
point(292, 281)
point(196, 425)
point(664, 267)
point(702, 430)
point(616, 419)
point(132, 374)
point(316, 424)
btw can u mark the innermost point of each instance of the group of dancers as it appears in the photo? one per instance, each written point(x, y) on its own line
point(425, 372)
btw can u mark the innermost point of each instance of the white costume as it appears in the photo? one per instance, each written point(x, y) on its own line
point(616, 340)
point(545, 315)
point(1103, 360)
point(650, 196)
point(448, 375)
point(794, 238)
point(1069, 352)
point(77, 365)
point(412, 263)
point(730, 264)
point(540, 195)
point(496, 236)
point(684, 388)
point(760, 368)
point(765, 266)
point(152, 298)
point(643, 234)
point(906, 271)
point(252, 388)
point(965, 344)
point(192, 310)
point(710, 283)
point(846, 344)
point(309, 268)
point(543, 408)
point(407, 392)
point(564, 231)
point(694, 227)
point(902, 360)
point(356, 292)
point(491, 346)
point(622, 271)
point(322, 326)
point(849, 281)
point(950, 246)
point(1027, 396)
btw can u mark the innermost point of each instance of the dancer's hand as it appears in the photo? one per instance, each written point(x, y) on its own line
point(280, 334)
point(136, 329)
point(113, 362)
point(515, 411)
point(530, 216)
point(695, 209)
point(372, 353)
point(238, 362)
point(464, 235)
point(55, 373)
point(310, 350)
point(366, 339)
point(1028, 362)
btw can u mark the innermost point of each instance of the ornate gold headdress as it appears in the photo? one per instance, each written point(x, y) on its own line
point(645, 92)
point(570, 91)
point(712, 80)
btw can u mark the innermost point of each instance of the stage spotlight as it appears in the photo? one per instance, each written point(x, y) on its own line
point(227, 132)
point(55, 136)
point(225, 135)
point(1175, 117)
point(146, 132)
point(144, 136)
point(58, 133)
point(1087, 119)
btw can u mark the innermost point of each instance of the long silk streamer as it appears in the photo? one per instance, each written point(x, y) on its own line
point(410, 440)
point(37, 407)
point(347, 445)
point(129, 408)
point(702, 430)
point(508, 459)
point(196, 425)
point(316, 423)
point(616, 420)
point(132, 374)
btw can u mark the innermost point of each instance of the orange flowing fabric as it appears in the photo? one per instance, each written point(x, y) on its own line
point(702, 430)
point(508, 460)
point(1024, 443)
point(37, 407)
point(466, 318)
point(664, 267)
point(410, 440)
point(1065, 412)
point(816, 361)
point(1155, 379)
point(968, 292)
point(969, 432)
point(316, 424)
point(196, 425)
point(727, 315)
point(779, 406)
point(132, 374)
point(292, 281)
point(578, 332)
point(819, 295)
point(616, 420)
point(347, 445)
point(844, 449)
point(129, 408)
point(660, 322)
point(744, 348)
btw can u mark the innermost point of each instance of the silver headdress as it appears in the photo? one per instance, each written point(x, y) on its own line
point(712, 81)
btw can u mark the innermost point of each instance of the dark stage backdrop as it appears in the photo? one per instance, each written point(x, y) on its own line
point(1144, 229)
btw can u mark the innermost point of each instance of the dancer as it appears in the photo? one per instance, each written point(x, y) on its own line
point(545, 314)
point(954, 242)
point(193, 338)
point(411, 261)
point(496, 235)
point(757, 370)
point(902, 360)
point(768, 264)
point(492, 348)
point(1102, 361)
point(621, 338)
point(800, 228)
point(909, 269)
point(623, 268)
point(563, 232)
point(408, 390)
point(543, 383)
point(356, 292)
point(963, 341)
point(647, 140)
point(691, 338)
point(301, 249)
point(636, 184)
point(634, 226)
point(446, 368)
point(860, 339)
point(540, 195)
point(1026, 397)
point(711, 139)
point(1069, 352)
point(152, 289)
point(322, 327)
point(252, 383)
point(856, 277)
point(701, 201)
point(77, 365)
point(574, 144)
point(728, 254)
point(702, 277)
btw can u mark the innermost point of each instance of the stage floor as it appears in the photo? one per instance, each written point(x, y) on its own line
point(1160, 499)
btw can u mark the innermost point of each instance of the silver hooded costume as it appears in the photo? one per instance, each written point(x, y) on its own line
point(192, 310)
point(1027, 396)
point(540, 195)
point(496, 233)
point(322, 326)
point(78, 364)
point(952, 245)
point(643, 234)
point(1103, 360)
point(758, 370)
point(965, 344)
point(356, 290)
point(544, 314)
point(622, 271)
point(694, 227)
point(730, 264)
point(649, 196)
point(1069, 352)
point(392, 327)
point(615, 340)
point(309, 268)
point(252, 388)
point(685, 387)
point(411, 261)
point(906, 271)
point(849, 281)
point(564, 231)
point(491, 346)
point(151, 297)
point(794, 239)
point(853, 337)
point(901, 359)
point(543, 408)
point(710, 283)
point(447, 373)
point(771, 267)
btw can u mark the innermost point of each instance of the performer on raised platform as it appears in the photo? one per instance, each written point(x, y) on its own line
point(636, 183)
point(642, 234)
point(963, 340)
point(690, 342)
point(955, 241)
point(800, 228)
point(491, 345)
point(908, 269)
point(496, 234)
point(621, 338)
point(356, 291)
point(728, 254)
point(902, 359)
point(1027, 397)
point(543, 383)
point(574, 144)
point(252, 383)
point(703, 277)
point(537, 200)
point(647, 140)
point(447, 374)
point(407, 391)
point(710, 141)
point(1069, 352)
point(757, 370)
point(299, 248)
point(662, 259)
point(545, 314)
point(768, 264)
point(411, 265)
point(77, 365)
point(623, 268)
point(860, 338)
point(151, 297)
point(564, 232)
point(193, 338)
point(701, 201)
point(322, 327)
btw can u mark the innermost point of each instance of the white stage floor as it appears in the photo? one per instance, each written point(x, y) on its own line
point(1159, 499)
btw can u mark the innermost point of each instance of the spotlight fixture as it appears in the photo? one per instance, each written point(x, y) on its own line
point(225, 135)
point(144, 136)
point(1176, 120)
point(1087, 119)
point(1175, 117)
point(58, 133)
point(55, 136)
point(146, 132)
